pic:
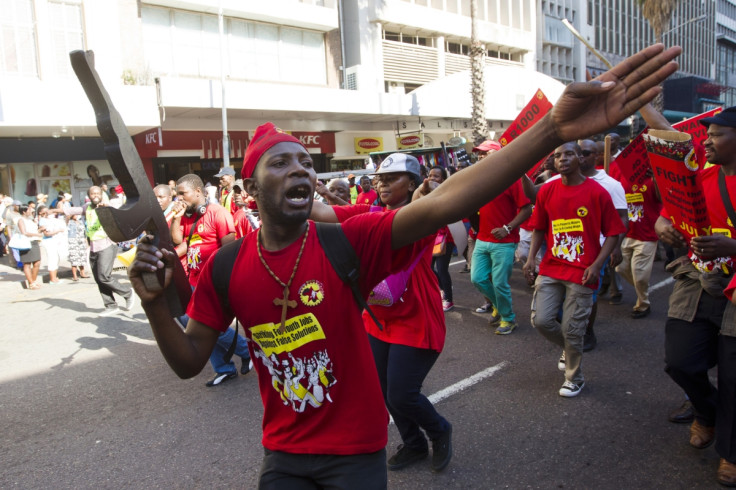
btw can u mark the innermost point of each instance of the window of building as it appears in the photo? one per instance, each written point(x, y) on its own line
point(186, 43)
point(18, 38)
point(67, 33)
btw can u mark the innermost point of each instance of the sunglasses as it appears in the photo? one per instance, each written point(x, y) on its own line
point(587, 153)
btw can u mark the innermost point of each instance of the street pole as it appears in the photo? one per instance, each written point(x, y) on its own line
point(225, 137)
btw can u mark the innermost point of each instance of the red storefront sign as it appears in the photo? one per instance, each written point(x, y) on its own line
point(323, 141)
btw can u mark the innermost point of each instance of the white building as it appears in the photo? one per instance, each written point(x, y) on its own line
point(395, 68)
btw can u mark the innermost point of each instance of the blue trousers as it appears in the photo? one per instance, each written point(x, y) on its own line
point(490, 274)
point(401, 371)
point(217, 358)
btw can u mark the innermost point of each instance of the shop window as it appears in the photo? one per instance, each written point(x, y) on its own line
point(67, 34)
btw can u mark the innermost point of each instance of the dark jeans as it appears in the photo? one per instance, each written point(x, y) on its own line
point(280, 471)
point(101, 264)
point(441, 269)
point(401, 371)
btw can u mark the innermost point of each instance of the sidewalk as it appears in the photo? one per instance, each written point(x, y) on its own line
point(10, 274)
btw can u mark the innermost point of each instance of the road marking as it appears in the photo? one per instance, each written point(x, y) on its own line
point(466, 383)
point(661, 284)
point(463, 384)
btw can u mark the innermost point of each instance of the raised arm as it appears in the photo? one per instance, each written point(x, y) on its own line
point(582, 110)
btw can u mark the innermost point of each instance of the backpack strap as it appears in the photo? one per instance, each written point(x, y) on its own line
point(222, 269)
point(344, 260)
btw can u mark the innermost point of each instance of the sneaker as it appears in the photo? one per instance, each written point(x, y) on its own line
point(404, 457)
point(561, 363)
point(495, 316)
point(111, 311)
point(447, 305)
point(246, 367)
point(130, 302)
point(442, 451)
point(505, 328)
point(570, 389)
point(220, 378)
point(484, 308)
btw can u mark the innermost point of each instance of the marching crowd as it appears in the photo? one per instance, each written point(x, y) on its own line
point(573, 225)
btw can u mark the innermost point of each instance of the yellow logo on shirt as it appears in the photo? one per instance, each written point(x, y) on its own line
point(582, 212)
point(311, 293)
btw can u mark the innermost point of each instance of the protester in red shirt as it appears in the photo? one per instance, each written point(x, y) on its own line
point(368, 194)
point(203, 228)
point(413, 326)
point(571, 212)
point(493, 256)
point(323, 445)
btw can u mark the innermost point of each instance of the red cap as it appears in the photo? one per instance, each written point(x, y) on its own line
point(266, 136)
point(119, 189)
point(488, 145)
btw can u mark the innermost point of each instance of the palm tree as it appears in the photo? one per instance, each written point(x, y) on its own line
point(659, 14)
point(477, 81)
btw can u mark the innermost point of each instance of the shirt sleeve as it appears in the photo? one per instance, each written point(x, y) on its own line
point(610, 220)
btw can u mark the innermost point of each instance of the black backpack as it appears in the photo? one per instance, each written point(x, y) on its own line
point(338, 249)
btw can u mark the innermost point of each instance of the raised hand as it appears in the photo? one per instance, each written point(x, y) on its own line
point(593, 107)
point(149, 258)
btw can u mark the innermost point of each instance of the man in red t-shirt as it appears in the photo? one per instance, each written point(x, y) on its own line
point(368, 194)
point(314, 360)
point(701, 324)
point(203, 228)
point(571, 213)
point(640, 244)
point(493, 255)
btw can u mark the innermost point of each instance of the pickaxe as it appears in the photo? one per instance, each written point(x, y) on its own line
point(141, 211)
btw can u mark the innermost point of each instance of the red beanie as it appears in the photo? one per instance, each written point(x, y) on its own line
point(266, 136)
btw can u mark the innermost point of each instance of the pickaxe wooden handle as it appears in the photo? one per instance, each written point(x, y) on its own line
point(141, 211)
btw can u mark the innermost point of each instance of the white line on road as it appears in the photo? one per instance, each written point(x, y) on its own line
point(661, 284)
point(463, 384)
point(466, 383)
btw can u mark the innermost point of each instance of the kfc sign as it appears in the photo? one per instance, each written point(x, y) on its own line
point(324, 142)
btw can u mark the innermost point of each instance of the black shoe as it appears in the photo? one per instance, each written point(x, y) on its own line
point(220, 378)
point(589, 342)
point(683, 415)
point(246, 366)
point(466, 270)
point(442, 451)
point(404, 457)
point(615, 299)
point(641, 313)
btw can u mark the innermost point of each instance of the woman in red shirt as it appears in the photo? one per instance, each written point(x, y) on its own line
point(413, 327)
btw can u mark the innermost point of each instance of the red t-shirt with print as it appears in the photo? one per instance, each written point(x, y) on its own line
point(206, 238)
point(643, 206)
point(317, 380)
point(367, 197)
point(501, 211)
point(417, 319)
point(573, 218)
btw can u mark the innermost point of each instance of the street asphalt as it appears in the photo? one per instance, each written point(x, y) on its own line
point(88, 402)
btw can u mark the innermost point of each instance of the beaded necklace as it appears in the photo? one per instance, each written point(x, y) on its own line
point(285, 302)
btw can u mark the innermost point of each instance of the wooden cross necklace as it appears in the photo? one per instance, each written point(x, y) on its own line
point(285, 302)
